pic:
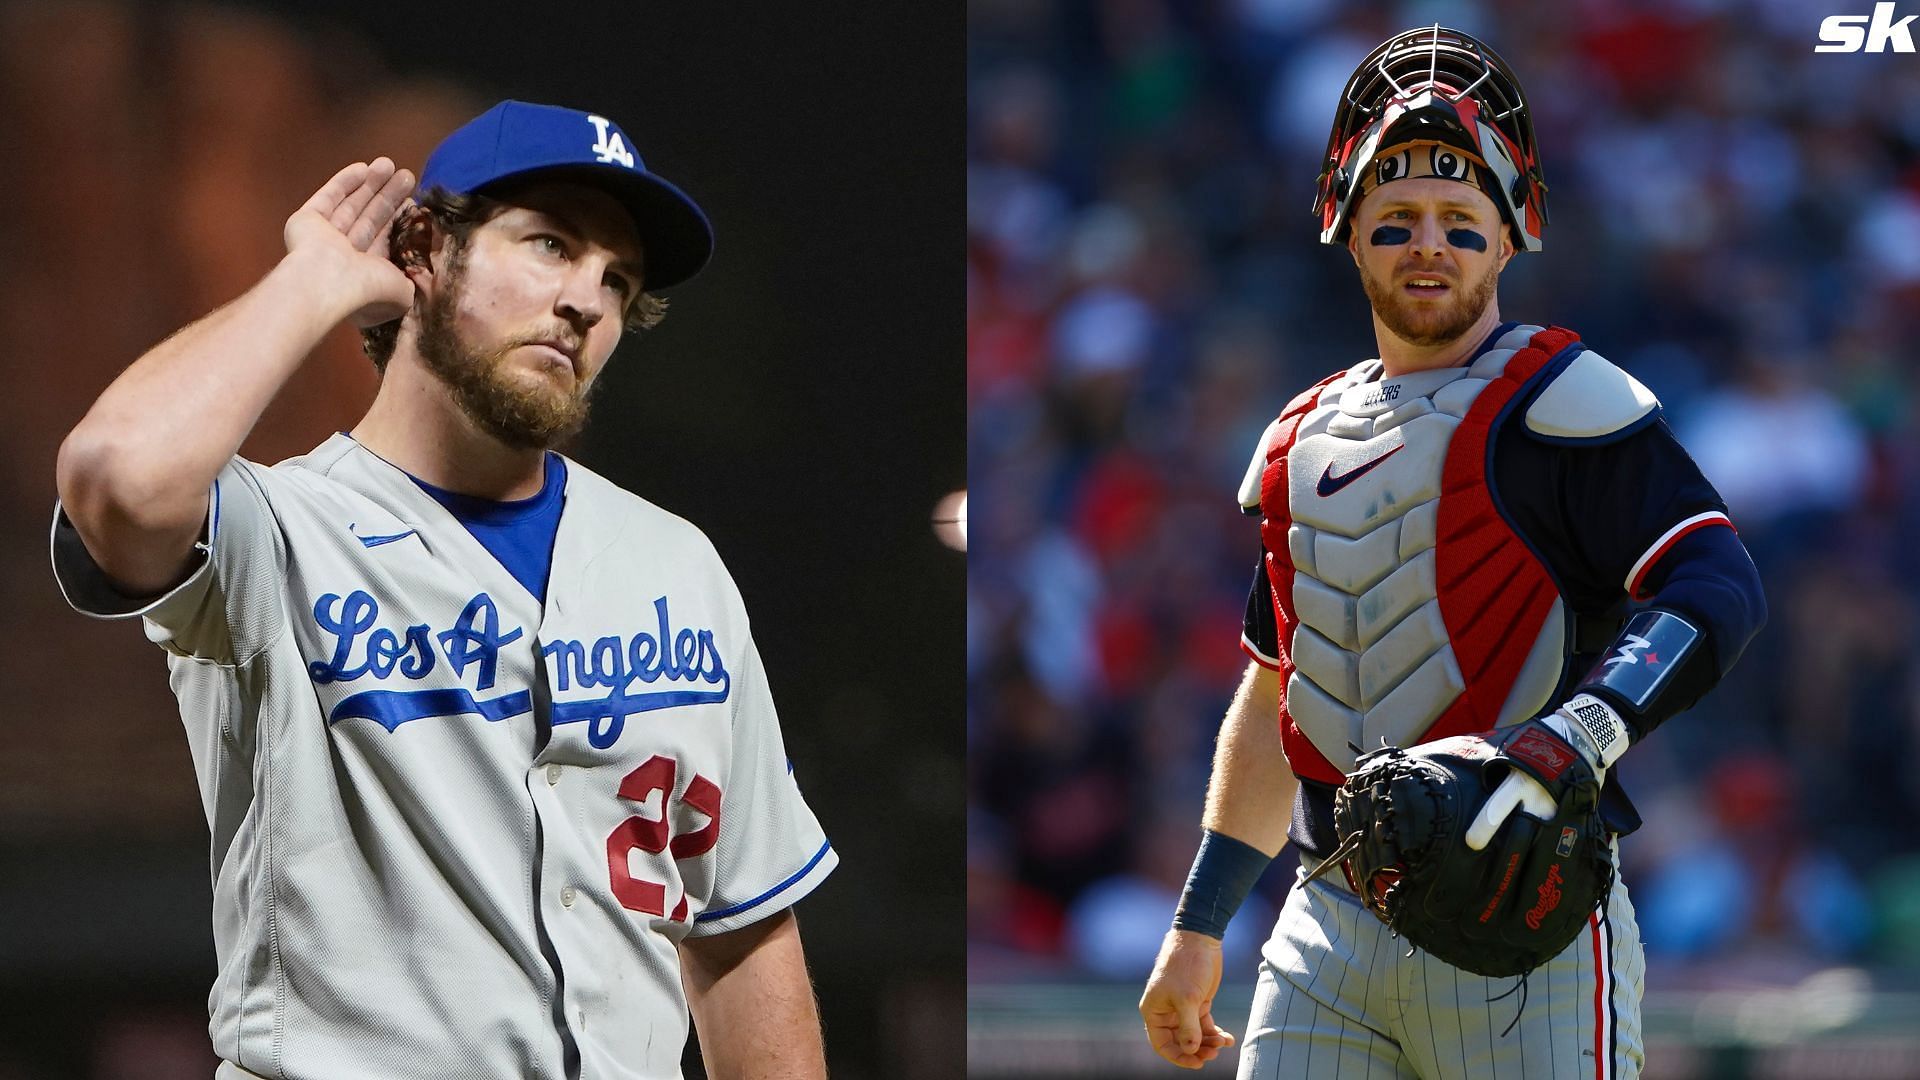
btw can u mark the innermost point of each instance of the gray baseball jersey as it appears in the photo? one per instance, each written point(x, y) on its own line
point(457, 832)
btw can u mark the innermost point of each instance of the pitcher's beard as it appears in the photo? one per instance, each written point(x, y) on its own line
point(506, 405)
point(1428, 328)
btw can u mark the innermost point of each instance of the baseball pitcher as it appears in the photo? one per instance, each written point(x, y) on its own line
point(492, 770)
point(1487, 569)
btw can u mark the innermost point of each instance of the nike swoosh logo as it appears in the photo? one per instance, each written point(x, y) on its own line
point(376, 541)
point(1330, 483)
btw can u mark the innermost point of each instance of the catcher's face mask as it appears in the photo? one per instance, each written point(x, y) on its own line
point(1435, 85)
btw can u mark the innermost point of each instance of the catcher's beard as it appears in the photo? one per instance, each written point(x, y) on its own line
point(527, 415)
point(1426, 326)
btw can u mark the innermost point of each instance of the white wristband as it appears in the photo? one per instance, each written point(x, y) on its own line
point(1605, 732)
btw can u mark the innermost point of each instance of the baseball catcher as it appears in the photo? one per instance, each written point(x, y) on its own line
point(1487, 569)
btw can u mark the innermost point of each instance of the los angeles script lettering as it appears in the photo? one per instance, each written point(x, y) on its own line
point(362, 648)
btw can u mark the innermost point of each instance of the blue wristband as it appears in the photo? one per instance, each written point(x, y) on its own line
point(1223, 874)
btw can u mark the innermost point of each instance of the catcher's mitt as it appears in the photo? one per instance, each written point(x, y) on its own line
point(1505, 910)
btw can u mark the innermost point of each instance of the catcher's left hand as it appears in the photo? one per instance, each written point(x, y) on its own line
point(1402, 817)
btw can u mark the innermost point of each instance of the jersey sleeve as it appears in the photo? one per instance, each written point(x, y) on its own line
point(228, 608)
point(1259, 631)
point(771, 850)
point(1600, 513)
point(1632, 500)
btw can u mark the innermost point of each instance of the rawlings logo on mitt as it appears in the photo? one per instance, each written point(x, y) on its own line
point(1505, 910)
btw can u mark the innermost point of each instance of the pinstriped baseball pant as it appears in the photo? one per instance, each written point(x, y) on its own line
point(1338, 996)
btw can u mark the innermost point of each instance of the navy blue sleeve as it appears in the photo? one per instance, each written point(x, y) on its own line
point(1709, 577)
point(1706, 592)
point(1593, 510)
point(1635, 520)
point(1259, 634)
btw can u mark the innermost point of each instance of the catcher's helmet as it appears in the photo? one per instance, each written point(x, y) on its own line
point(1440, 85)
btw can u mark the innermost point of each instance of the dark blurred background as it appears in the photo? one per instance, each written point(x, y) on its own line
point(802, 404)
point(1735, 220)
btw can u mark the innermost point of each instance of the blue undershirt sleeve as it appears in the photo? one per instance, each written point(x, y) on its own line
point(1709, 577)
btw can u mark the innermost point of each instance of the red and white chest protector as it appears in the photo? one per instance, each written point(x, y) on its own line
point(1408, 609)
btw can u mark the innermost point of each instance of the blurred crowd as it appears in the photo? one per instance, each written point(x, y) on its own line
point(1735, 219)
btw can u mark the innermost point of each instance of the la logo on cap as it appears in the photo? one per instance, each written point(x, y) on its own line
point(610, 150)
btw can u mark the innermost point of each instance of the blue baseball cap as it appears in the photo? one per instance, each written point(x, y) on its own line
point(518, 140)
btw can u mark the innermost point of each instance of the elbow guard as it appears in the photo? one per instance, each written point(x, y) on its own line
point(1658, 666)
point(1707, 605)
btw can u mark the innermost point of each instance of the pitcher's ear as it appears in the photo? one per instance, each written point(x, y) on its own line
point(413, 239)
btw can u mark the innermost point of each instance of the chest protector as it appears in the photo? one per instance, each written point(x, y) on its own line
point(1408, 608)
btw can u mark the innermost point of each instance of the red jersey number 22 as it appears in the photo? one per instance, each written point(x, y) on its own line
point(654, 835)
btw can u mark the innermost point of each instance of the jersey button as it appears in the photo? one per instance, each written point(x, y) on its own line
point(553, 774)
point(566, 896)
